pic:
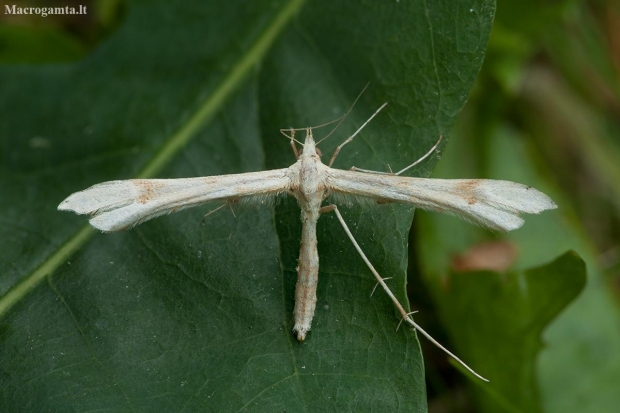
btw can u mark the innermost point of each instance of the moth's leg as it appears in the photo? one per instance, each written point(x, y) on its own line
point(368, 171)
point(228, 202)
point(353, 168)
point(375, 289)
point(204, 218)
point(405, 316)
point(292, 140)
point(350, 138)
point(334, 208)
point(232, 211)
point(422, 158)
point(401, 321)
point(326, 194)
point(293, 144)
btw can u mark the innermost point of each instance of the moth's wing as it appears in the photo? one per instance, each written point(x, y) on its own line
point(118, 205)
point(493, 204)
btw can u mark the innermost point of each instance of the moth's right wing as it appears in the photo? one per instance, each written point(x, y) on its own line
point(491, 203)
point(119, 205)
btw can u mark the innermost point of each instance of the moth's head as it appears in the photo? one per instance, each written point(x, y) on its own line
point(309, 144)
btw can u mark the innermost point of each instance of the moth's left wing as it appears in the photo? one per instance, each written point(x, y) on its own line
point(493, 204)
point(118, 205)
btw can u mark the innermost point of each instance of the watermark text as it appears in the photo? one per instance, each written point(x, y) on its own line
point(43, 11)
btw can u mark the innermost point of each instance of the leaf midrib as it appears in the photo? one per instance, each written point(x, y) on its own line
point(203, 114)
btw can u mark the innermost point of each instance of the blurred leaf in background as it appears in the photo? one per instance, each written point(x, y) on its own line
point(172, 316)
point(544, 112)
point(56, 38)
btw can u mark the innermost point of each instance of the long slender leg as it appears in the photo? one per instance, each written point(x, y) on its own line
point(228, 202)
point(211, 212)
point(354, 168)
point(292, 139)
point(403, 312)
point(350, 138)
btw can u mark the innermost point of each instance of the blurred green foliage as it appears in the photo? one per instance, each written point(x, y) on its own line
point(32, 39)
point(544, 111)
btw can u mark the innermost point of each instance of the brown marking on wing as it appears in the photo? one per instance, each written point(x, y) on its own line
point(468, 185)
point(148, 189)
point(209, 179)
point(466, 190)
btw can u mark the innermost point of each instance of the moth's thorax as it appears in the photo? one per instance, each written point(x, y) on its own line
point(311, 177)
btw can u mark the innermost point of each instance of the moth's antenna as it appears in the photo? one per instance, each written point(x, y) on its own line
point(350, 138)
point(291, 137)
point(293, 130)
point(343, 117)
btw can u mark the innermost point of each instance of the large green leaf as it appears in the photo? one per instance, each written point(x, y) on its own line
point(172, 316)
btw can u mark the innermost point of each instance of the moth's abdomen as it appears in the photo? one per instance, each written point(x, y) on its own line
point(307, 278)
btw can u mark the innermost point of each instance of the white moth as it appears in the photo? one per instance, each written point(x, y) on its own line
point(119, 205)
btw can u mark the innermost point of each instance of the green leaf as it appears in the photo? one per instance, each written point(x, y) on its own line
point(47, 44)
point(172, 316)
point(497, 322)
